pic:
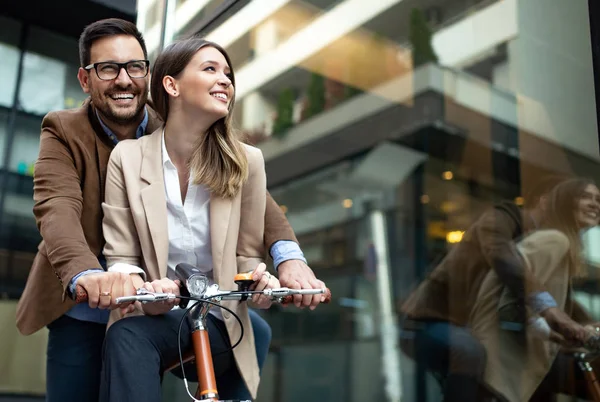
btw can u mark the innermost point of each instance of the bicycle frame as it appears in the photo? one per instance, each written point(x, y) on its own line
point(201, 351)
point(201, 354)
point(208, 295)
point(207, 384)
point(590, 376)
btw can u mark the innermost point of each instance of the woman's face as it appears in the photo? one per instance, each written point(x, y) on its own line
point(205, 84)
point(587, 213)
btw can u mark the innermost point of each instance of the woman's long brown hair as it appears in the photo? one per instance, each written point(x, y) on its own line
point(219, 160)
point(562, 203)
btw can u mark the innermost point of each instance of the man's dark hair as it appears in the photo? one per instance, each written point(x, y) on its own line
point(543, 186)
point(103, 29)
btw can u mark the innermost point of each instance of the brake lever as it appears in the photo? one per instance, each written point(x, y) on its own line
point(282, 292)
point(144, 296)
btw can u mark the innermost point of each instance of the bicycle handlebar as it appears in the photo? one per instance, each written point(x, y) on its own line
point(281, 295)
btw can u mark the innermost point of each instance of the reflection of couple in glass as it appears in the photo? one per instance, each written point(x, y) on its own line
point(493, 315)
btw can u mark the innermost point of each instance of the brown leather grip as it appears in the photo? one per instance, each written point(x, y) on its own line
point(288, 299)
point(80, 295)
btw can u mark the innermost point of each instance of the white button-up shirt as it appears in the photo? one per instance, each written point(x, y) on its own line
point(188, 223)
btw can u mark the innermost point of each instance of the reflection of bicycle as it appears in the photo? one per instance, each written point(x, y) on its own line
point(196, 288)
point(578, 366)
point(582, 361)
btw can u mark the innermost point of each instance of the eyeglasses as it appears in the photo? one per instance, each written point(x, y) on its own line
point(108, 70)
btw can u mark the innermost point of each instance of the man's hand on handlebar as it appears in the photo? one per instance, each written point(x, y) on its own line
point(164, 285)
point(103, 288)
point(263, 280)
point(295, 274)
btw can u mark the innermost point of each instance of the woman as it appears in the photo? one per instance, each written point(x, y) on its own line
point(213, 218)
point(517, 363)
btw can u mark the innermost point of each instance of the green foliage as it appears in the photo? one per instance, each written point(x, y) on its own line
point(350, 92)
point(420, 37)
point(285, 113)
point(316, 95)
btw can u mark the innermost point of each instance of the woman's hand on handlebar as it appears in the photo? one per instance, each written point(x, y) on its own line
point(567, 331)
point(263, 280)
point(164, 285)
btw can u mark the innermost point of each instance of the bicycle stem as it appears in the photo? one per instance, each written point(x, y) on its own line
point(207, 384)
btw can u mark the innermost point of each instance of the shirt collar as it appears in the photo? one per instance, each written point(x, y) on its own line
point(138, 133)
point(165, 155)
point(143, 125)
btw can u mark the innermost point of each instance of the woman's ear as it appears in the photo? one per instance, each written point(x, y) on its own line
point(170, 85)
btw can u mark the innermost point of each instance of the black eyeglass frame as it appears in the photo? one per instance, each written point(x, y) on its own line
point(120, 65)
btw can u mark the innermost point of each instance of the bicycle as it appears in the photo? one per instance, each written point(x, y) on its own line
point(583, 360)
point(195, 287)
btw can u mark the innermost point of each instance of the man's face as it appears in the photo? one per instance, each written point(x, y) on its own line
point(122, 99)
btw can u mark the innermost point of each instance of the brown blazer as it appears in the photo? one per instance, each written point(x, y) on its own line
point(68, 188)
point(136, 231)
point(450, 291)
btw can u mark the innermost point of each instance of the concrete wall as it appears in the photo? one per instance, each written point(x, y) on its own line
point(551, 65)
point(22, 358)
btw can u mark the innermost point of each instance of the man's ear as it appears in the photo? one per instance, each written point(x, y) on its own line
point(84, 80)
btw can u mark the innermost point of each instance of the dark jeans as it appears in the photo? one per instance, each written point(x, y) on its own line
point(449, 351)
point(74, 360)
point(137, 349)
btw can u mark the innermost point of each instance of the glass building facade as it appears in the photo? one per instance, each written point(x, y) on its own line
point(388, 127)
point(38, 64)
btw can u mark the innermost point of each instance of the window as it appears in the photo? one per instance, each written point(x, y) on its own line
point(9, 56)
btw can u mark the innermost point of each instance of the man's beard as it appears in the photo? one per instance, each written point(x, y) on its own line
point(119, 115)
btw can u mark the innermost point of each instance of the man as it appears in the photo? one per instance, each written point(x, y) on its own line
point(69, 179)
point(437, 313)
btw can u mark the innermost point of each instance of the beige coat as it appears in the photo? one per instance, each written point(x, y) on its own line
point(517, 363)
point(135, 229)
point(450, 291)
